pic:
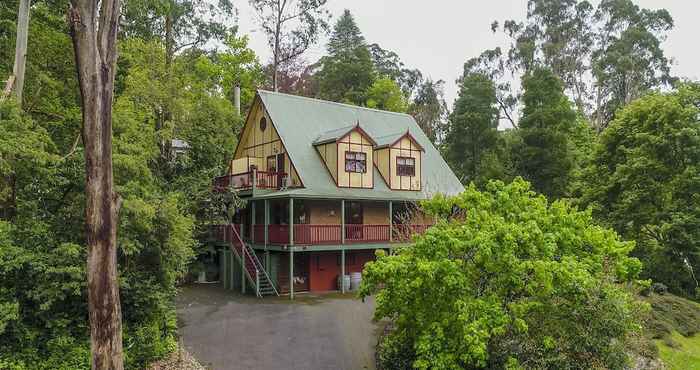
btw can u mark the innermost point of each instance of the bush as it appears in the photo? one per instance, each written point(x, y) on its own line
point(510, 281)
point(394, 351)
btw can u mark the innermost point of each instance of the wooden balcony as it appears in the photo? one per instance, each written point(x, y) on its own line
point(310, 234)
point(251, 180)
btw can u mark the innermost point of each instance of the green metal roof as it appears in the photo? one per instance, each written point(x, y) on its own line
point(333, 135)
point(301, 121)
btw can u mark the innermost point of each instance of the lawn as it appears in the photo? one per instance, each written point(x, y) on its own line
point(679, 352)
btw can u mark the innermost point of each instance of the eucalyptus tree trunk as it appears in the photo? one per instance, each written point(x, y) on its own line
point(16, 81)
point(94, 34)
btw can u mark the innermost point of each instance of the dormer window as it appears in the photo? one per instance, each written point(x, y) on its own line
point(405, 166)
point(355, 162)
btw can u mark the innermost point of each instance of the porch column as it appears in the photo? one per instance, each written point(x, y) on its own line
point(291, 273)
point(342, 270)
point(291, 221)
point(267, 221)
point(242, 273)
point(391, 221)
point(252, 221)
point(342, 221)
point(267, 261)
point(231, 261)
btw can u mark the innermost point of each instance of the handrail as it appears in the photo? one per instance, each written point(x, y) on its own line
point(254, 260)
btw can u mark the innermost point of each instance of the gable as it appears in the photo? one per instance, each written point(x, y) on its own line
point(259, 144)
point(300, 121)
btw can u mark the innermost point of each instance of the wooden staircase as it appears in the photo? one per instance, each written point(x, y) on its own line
point(255, 272)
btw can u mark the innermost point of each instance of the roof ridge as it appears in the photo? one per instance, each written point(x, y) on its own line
point(333, 102)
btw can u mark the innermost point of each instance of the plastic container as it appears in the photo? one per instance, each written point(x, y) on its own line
point(355, 280)
point(345, 280)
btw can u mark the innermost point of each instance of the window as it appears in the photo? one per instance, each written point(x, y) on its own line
point(263, 123)
point(272, 163)
point(405, 166)
point(356, 162)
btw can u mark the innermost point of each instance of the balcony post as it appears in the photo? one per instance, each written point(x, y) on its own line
point(342, 221)
point(267, 221)
point(252, 221)
point(254, 180)
point(291, 221)
point(342, 270)
point(291, 273)
point(391, 221)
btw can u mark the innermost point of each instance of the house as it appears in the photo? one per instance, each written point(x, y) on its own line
point(326, 185)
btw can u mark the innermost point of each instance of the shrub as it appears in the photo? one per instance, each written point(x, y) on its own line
point(510, 281)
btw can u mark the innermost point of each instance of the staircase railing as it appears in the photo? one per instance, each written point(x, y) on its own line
point(253, 267)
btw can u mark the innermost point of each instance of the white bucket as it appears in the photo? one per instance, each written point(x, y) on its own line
point(355, 280)
point(344, 279)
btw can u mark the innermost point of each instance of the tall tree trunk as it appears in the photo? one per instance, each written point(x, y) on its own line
point(17, 78)
point(94, 41)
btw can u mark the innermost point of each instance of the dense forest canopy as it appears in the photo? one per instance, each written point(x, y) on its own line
point(597, 120)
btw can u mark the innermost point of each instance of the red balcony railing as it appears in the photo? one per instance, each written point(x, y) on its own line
point(278, 234)
point(310, 234)
point(263, 180)
point(317, 234)
point(366, 233)
point(258, 234)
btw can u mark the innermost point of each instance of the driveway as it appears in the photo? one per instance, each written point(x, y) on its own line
point(225, 330)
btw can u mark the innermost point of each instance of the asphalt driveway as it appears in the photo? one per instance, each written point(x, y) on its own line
point(225, 330)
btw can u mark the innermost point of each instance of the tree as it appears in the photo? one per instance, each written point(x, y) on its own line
point(388, 64)
point(385, 94)
point(493, 64)
point(544, 156)
point(291, 26)
point(95, 44)
point(17, 77)
point(615, 43)
point(644, 181)
point(507, 280)
point(430, 109)
point(347, 71)
point(628, 60)
point(472, 143)
point(178, 24)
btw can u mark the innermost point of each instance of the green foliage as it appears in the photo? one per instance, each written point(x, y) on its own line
point(671, 314)
point(430, 109)
point(385, 94)
point(509, 280)
point(159, 97)
point(544, 156)
point(347, 72)
point(473, 145)
point(616, 42)
point(644, 182)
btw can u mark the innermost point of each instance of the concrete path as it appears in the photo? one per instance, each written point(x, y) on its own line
point(224, 330)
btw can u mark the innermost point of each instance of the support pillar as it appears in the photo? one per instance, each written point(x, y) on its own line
point(252, 221)
point(224, 269)
point(267, 261)
point(342, 270)
point(231, 262)
point(267, 222)
point(342, 221)
point(291, 273)
point(391, 221)
point(291, 221)
point(242, 274)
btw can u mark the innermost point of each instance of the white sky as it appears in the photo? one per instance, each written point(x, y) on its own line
point(438, 36)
